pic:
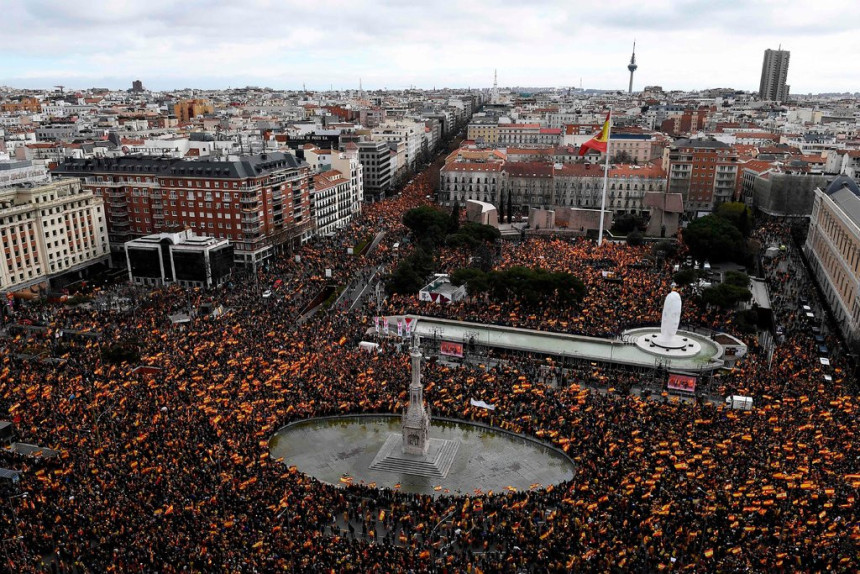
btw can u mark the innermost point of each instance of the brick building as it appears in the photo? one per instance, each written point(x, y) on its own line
point(31, 105)
point(260, 203)
point(704, 172)
point(187, 110)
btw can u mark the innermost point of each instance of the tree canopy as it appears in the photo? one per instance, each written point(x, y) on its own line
point(521, 283)
point(738, 214)
point(428, 225)
point(409, 275)
point(715, 239)
point(726, 295)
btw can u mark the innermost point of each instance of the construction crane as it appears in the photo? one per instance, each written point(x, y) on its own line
point(61, 88)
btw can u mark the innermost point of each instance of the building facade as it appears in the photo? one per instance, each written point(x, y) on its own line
point(833, 249)
point(774, 73)
point(182, 258)
point(187, 110)
point(704, 172)
point(525, 135)
point(260, 203)
point(547, 185)
point(485, 131)
point(375, 159)
point(22, 172)
point(459, 181)
point(334, 201)
point(49, 231)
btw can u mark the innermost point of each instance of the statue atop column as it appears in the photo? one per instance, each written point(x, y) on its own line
point(416, 419)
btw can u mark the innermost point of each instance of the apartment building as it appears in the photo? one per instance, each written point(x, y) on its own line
point(704, 172)
point(833, 249)
point(49, 231)
point(187, 110)
point(25, 104)
point(524, 135)
point(486, 131)
point(409, 132)
point(581, 185)
point(535, 184)
point(260, 203)
point(459, 181)
point(375, 159)
point(333, 201)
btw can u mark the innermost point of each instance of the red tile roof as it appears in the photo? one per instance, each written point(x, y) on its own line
point(469, 166)
point(529, 169)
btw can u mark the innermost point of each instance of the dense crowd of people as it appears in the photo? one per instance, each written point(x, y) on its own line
point(168, 469)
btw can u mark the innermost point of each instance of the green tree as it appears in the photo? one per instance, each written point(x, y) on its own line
point(635, 238)
point(480, 232)
point(685, 276)
point(725, 295)
point(621, 157)
point(737, 279)
point(510, 210)
point(502, 208)
point(476, 281)
point(455, 218)
point(715, 239)
point(738, 214)
point(411, 273)
point(459, 240)
point(625, 223)
point(665, 249)
point(428, 224)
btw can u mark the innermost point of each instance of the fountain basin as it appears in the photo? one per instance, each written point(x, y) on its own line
point(332, 448)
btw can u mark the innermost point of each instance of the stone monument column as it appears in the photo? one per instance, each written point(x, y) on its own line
point(416, 421)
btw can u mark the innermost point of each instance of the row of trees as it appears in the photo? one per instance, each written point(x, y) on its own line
point(528, 285)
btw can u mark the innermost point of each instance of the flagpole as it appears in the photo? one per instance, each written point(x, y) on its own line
point(605, 178)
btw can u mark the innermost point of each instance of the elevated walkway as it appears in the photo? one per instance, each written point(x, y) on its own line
point(560, 345)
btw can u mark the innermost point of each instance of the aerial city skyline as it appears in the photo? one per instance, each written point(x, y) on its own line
point(371, 286)
point(395, 47)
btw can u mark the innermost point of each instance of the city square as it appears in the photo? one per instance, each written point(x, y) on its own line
point(347, 328)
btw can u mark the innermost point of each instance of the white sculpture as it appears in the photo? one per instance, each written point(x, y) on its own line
point(671, 318)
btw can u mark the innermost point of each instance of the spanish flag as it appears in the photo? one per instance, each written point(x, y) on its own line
point(600, 139)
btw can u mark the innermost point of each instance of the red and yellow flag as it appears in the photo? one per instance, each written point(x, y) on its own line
point(600, 139)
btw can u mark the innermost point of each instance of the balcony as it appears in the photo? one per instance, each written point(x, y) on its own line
point(118, 213)
point(119, 203)
point(117, 194)
point(249, 200)
point(94, 182)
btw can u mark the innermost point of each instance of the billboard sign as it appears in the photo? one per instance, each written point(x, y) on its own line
point(451, 349)
point(683, 383)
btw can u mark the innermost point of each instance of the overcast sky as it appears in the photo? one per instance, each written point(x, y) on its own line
point(680, 44)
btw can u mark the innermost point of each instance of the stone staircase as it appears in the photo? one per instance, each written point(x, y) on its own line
point(436, 464)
